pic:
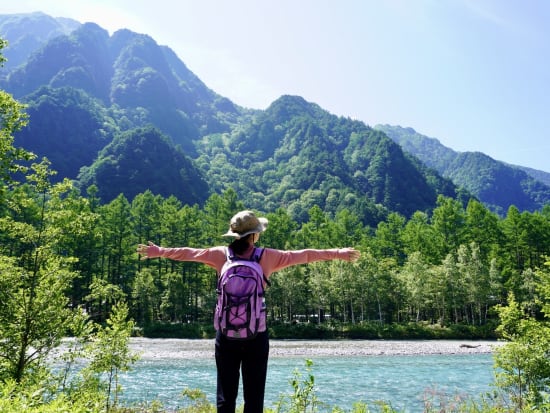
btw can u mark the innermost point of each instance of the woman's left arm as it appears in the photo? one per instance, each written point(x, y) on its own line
point(275, 260)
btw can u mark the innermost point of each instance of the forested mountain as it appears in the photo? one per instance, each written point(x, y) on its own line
point(299, 155)
point(29, 32)
point(96, 101)
point(541, 176)
point(496, 184)
point(130, 74)
point(131, 161)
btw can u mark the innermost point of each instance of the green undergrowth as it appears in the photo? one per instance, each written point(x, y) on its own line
point(342, 331)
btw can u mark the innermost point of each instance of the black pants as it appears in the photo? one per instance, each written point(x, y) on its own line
point(250, 356)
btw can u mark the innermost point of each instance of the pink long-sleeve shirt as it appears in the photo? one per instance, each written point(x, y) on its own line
point(272, 260)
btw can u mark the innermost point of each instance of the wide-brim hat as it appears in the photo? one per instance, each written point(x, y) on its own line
point(244, 223)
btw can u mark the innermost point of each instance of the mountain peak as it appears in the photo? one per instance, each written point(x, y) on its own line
point(289, 106)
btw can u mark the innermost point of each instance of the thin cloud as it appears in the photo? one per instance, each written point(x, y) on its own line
point(483, 11)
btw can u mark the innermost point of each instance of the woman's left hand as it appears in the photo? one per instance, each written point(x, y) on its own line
point(351, 253)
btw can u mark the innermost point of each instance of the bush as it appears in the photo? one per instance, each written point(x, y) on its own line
point(180, 330)
point(370, 330)
point(311, 331)
point(36, 398)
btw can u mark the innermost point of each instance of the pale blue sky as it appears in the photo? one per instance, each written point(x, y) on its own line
point(474, 74)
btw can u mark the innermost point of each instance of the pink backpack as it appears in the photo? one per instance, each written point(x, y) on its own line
point(240, 310)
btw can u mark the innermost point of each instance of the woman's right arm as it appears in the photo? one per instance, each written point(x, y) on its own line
point(213, 257)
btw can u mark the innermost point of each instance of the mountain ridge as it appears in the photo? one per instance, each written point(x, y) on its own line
point(28, 32)
point(480, 174)
point(294, 154)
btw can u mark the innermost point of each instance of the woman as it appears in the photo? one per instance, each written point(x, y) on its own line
point(250, 356)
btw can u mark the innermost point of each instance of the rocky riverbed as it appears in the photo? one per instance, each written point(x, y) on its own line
point(150, 349)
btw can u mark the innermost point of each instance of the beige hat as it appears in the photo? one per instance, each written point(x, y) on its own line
point(244, 223)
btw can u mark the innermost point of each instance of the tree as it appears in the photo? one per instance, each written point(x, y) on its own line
point(314, 233)
point(522, 365)
point(346, 287)
point(77, 235)
point(174, 300)
point(145, 211)
point(419, 236)
point(377, 287)
point(388, 238)
point(12, 119)
point(35, 312)
point(456, 291)
point(538, 237)
point(481, 228)
point(282, 229)
point(348, 229)
point(515, 231)
point(416, 279)
point(109, 352)
point(218, 211)
point(146, 297)
point(474, 274)
point(448, 220)
point(291, 288)
point(117, 244)
point(34, 315)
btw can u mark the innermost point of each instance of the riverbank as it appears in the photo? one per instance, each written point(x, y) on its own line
point(152, 348)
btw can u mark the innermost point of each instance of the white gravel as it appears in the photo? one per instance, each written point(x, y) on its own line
point(151, 349)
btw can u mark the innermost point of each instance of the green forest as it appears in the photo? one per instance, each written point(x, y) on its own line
point(68, 264)
point(450, 267)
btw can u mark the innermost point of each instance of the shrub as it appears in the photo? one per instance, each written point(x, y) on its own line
point(178, 330)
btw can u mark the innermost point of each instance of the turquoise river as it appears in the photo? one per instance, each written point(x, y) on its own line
point(404, 374)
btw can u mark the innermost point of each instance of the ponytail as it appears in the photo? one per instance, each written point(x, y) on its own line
point(241, 245)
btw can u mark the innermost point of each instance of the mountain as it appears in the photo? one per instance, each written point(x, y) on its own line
point(298, 155)
point(125, 114)
point(28, 32)
point(131, 161)
point(128, 72)
point(85, 88)
point(497, 184)
point(541, 176)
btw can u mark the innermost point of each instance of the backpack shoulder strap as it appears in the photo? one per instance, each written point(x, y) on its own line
point(229, 255)
point(257, 254)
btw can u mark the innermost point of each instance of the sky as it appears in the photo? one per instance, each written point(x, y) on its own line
point(474, 74)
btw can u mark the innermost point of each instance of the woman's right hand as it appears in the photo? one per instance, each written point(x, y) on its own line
point(147, 251)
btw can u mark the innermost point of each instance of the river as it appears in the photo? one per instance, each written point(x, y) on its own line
point(402, 373)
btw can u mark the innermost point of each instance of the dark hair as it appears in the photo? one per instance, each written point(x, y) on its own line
point(241, 245)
